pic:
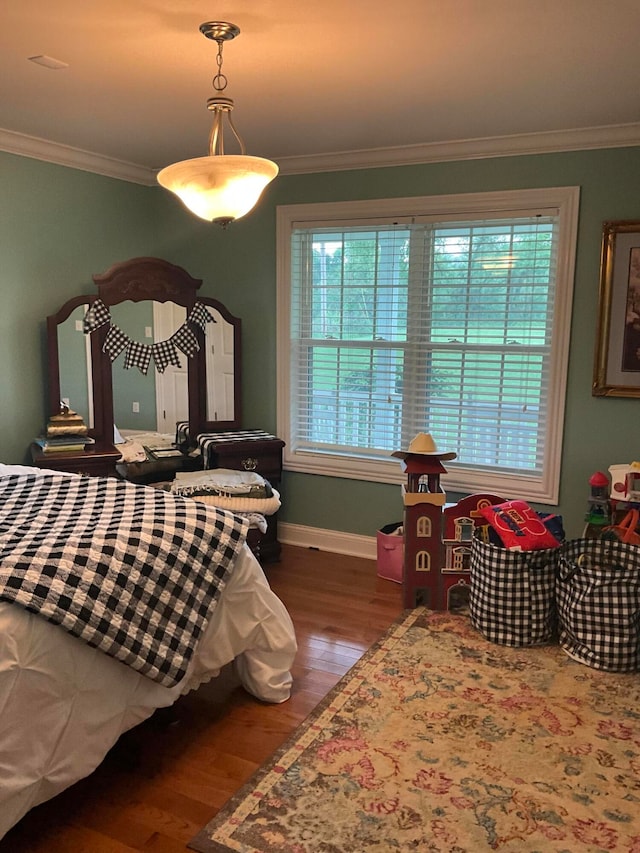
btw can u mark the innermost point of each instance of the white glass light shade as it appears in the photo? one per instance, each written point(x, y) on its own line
point(220, 187)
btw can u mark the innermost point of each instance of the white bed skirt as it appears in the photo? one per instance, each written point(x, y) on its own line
point(63, 704)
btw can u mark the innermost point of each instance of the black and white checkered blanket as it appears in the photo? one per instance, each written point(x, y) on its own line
point(132, 570)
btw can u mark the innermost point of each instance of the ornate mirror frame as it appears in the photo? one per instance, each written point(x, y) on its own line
point(138, 280)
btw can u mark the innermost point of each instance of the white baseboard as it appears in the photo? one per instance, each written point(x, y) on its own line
point(327, 540)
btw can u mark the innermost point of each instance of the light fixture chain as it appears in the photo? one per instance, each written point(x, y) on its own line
point(219, 81)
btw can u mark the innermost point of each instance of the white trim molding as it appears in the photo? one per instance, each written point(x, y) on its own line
point(75, 158)
point(334, 541)
point(581, 139)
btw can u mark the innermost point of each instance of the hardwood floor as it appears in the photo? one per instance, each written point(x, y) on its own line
point(163, 781)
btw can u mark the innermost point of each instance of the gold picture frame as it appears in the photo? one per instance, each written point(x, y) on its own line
point(617, 358)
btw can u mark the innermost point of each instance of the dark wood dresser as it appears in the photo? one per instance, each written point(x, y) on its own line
point(239, 450)
point(96, 461)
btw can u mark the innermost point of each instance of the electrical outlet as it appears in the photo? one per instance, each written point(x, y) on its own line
point(136, 407)
point(148, 332)
point(79, 326)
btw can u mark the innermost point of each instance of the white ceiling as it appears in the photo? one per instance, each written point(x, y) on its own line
point(312, 77)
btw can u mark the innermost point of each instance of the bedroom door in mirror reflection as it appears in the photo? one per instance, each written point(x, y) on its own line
point(153, 401)
point(220, 363)
point(76, 380)
point(172, 386)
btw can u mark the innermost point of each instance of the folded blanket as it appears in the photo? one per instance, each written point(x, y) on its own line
point(264, 506)
point(226, 482)
point(225, 488)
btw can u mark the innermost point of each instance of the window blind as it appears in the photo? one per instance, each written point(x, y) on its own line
point(437, 327)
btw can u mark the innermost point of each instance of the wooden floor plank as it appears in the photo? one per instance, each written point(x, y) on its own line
point(166, 778)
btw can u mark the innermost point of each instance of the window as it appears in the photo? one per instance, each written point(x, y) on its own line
point(447, 315)
point(423, 561)
point(464, 528)
point(423, 527)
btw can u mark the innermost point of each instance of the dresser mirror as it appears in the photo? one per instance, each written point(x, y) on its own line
point(75, 364)
point(148, 299)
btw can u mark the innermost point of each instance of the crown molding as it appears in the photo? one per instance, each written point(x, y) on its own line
point(584, 139)
point(74, 158)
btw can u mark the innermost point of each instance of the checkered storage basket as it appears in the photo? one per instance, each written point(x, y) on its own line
point(512, 599)
point(598, 599)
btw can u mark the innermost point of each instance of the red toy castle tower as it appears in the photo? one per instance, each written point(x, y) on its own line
point(423, 499)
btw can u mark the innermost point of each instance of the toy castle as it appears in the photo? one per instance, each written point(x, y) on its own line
point(437, 537)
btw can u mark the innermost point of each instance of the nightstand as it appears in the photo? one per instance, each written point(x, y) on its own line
point(96, 461)
point(249, 450)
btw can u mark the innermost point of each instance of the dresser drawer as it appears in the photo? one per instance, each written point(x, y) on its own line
point(95, 462)
point(266, 461)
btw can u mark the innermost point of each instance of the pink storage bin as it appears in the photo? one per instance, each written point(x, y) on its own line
point(390, 552)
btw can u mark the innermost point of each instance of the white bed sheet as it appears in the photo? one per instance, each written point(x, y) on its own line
point(63, 704)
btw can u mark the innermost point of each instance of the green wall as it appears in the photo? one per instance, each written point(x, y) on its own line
point(59, 226)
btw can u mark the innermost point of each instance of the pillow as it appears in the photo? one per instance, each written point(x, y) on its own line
point(519, 526)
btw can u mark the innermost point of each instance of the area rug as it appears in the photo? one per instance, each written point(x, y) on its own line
point(438, 740)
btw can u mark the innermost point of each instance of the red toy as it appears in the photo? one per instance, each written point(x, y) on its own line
point(519, 526)
point(599, 510)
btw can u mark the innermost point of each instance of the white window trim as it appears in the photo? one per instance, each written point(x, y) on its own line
point(566, 201)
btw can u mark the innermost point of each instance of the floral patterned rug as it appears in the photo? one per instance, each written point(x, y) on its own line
point(438, 740)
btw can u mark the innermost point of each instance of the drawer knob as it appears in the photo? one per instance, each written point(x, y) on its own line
point(249, 464)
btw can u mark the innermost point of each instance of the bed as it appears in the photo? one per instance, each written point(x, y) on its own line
point(64, 703)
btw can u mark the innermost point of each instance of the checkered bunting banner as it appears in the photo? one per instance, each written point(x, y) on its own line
point(200, 316)
point(186, 341)
point(164, 353)
point(137, 355)
point(115, 342)
point(97, 315)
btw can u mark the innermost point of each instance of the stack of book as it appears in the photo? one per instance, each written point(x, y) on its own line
point(65, 433)
point(64, 443)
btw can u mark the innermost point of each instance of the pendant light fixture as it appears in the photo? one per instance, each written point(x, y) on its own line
point(220, 187)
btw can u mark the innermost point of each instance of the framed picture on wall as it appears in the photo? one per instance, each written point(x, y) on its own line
point(617, 358)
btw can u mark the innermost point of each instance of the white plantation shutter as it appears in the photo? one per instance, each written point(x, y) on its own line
point(447, 324)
